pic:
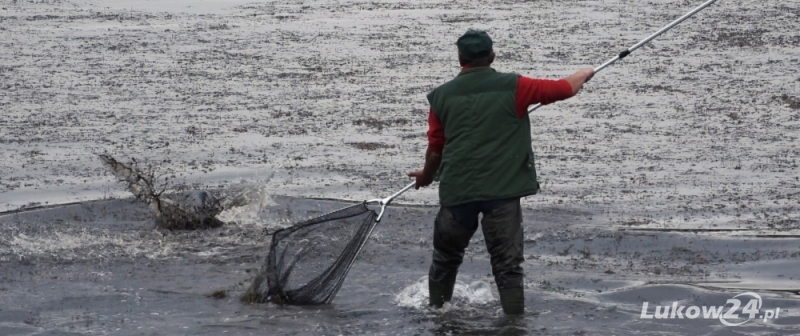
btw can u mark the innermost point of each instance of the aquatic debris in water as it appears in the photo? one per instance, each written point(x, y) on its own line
point(220, 294)
point(197, 210)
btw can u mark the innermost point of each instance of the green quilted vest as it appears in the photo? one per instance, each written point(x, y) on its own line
point(487, 153)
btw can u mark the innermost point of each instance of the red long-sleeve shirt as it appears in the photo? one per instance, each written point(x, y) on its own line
point(529, 91)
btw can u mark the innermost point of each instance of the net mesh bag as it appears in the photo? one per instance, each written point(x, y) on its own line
point(308, 262)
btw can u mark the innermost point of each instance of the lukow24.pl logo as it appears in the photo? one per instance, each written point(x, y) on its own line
point(728, 315)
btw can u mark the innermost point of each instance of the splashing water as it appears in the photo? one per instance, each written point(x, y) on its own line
point(247, 206)
point(197, 210)
point(76, 244)
point(122, 230)
point(415, 296)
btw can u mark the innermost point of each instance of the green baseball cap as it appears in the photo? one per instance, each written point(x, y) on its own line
point(474, 44)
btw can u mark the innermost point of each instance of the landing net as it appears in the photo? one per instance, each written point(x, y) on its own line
point(308, 262)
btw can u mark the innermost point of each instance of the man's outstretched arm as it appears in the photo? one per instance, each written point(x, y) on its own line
point(546, 91)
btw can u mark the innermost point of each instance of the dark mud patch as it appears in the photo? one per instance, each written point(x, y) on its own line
point(462, 18)
point(656, 88)
point(736, 38)
point(792, 102)
point(370, 145)
point(380, 124)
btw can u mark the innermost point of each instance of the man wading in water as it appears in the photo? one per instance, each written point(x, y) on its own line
point(480, 135)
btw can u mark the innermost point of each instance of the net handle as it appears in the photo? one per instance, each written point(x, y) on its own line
point(383, 202)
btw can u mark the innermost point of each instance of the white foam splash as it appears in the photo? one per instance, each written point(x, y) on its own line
point(416, 295)
point(83, 244)
point(252, 212)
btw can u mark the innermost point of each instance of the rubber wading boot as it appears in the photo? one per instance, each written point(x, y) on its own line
point(440, 293)
point(512, 300)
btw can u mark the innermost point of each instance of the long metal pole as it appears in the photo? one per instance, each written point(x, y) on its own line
point(626, 52)
point(409, 186)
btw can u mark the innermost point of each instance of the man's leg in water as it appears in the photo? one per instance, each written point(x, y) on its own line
point(502, 231)
point(450, 239)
